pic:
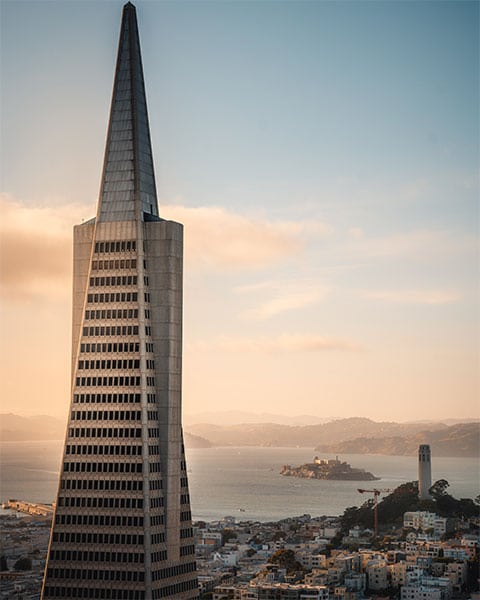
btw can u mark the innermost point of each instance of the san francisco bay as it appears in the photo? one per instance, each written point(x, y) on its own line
point(244, 481)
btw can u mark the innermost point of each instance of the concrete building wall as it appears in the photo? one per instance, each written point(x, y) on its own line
point(424, 471)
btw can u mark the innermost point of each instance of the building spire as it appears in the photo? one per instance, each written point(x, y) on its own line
point(128, 189)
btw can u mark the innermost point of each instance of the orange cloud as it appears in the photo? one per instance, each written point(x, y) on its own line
point(427, 297)
point(36, 249)
point(216, 237)
point(286, 296)
point(36, 243)
point(280, 344)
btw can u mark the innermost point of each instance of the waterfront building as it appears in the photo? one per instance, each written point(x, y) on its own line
point(122, 525)
point(424, 471)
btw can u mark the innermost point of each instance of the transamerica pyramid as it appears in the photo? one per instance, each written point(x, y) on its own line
point(122, 526)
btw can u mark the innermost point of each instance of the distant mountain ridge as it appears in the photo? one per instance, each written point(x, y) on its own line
point(273, 434)
point(14, 428)
point(355, 435)
point(234, 417)
point(461, 440)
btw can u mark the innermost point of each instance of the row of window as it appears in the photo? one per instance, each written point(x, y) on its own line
point(96, 574)
point(107, 398)
point(66, 593)
point(108, 381)
point(157, 538)
point(115, 246)
point(116, 450)
point(71, 537)
point(184, 498)
point(112, 347)
point(87, 556)
point(103, 467)
point(174, 571)
point(187, 550)
point(113, 281)
point(99, 520)
point(103, 432)
point(108, 485)
point(84, 556)
point(112, 313)
point(121, 363)
point(113, 297)
point(120, 330)
point(185, 515)
point(111, 415)
point(186, 533)
point(157, 519)
point(156, 502)
point(78, 502)
point(123, 263)
point(175, 588)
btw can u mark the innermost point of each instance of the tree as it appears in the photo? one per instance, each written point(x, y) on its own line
point(287, 560)
point(439, 488)
point(227, 535)
point(23, 564)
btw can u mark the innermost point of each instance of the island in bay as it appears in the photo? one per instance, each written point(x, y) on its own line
point(328, 468)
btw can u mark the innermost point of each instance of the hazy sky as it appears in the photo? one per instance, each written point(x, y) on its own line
point(323, 157)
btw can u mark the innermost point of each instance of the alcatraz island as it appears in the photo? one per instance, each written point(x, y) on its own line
point(328, 468)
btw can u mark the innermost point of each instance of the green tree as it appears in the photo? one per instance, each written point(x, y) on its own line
point(287, 560)
point(23, 564)
point(439, 488)
point(227, 535)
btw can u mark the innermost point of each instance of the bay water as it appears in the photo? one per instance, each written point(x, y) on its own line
point(244, 482)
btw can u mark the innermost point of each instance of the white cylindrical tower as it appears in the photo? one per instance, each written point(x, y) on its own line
point(424, 471)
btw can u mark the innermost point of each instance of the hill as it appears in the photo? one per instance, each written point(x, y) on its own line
point(14, 428)
point(233, 417)
point(460, 440)
point(309, 436)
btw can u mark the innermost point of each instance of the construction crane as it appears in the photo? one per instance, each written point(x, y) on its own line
point(376, 493)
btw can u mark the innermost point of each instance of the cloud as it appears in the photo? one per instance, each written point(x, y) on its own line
point(420, 245)
point(216, 237)
point(36, 249)
point(286, 343)
point(286, 296)
point(36, 243)
point(426, 297)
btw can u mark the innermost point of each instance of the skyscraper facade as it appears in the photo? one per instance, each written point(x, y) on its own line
point(122, 526)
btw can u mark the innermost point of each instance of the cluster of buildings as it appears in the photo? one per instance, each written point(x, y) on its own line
point(122, 528)
point(243, 562)
point(299, 558)
point(23, 550)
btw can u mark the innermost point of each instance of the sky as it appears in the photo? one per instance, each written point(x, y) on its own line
point(323, 157)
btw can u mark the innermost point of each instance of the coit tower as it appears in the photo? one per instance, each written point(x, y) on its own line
point(424, 471)
point(122, 527)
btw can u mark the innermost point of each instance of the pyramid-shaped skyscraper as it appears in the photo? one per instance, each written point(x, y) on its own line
point(122, 527)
